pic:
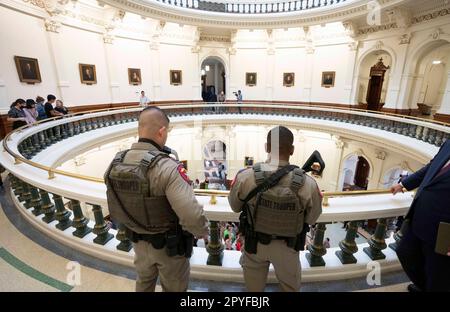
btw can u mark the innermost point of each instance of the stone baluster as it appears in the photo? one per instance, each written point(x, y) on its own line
point(36, 144)
point(83, 126)
point(48, 208)
point(431, 136)
point(125, 243)
point(79, 221)
point(215, 246)
point(18, 186)
point(418, 133)
point(399, 235)
point(31, 150)
point(70, 129)
point(101, 229)
point(317, 249)
point(77, 128)
point(439, 137)
point(64, 131)
point(57, 130)
point(26, 195)
point(62, 214)
point(348, 245)
point(377, 242)
point(51, 136)
point(35, 201)
point(425, 134)
point(42, 140)
point(92, 124)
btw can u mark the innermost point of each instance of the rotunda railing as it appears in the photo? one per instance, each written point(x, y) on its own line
point(251, 7)
point(33, 183)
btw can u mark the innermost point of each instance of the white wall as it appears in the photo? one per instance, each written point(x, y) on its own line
point(156, 50)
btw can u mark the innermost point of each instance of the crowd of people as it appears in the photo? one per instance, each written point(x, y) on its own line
point(23, 112)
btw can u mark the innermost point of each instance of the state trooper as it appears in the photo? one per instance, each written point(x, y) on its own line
point(277, 202)
point(150, 194)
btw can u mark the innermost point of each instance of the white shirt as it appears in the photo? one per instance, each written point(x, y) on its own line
point(143, 100)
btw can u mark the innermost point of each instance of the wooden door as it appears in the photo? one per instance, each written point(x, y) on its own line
point(362, 173)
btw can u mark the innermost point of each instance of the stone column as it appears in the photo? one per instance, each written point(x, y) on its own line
point(349, 87)
point(339, 153)
point(445, 104)
point(232, 81)
point(111, 65)
point(308, 71)
point(270, 65)
point(52, 26)
point(155, 60)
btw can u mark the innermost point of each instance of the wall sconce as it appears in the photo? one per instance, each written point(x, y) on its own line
point(203, 72)
point(207, 67)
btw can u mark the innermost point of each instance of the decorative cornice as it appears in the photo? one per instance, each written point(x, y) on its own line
point(370, 30)
point(215, 38)
point(430, 16)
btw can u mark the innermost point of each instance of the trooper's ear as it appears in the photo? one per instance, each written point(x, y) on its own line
point(292, 150)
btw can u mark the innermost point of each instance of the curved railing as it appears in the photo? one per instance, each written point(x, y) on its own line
point(251, 7)
point(33, 183)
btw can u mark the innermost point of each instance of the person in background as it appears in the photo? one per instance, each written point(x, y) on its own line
point(61, 108)
point(228, 242)
point(221, 100)
point(326, 243)
point(238, 242)
point(40, 108)
point(16, 114)
point(196, 184)
point(143, 100)
point(49, 110)
point(239, 100)
point(30, 111)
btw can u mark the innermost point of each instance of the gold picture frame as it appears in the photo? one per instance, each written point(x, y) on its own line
point(134, 76)
point(328, 79)
point(251, 79)
point(28, 69)
point(288, 79)
point(176, 77)
point(88, 74)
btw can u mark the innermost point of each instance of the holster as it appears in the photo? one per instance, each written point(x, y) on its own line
point(188, 244)
point(251, 242)
point(243, 221)
point(172, 242)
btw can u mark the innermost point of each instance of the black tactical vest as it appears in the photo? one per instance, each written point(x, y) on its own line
point(129, 200)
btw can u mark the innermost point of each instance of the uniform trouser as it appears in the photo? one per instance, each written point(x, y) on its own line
point(427, 269)
point(173, 271)
point(284, 259)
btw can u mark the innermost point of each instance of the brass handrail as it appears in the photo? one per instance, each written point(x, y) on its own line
point(51, 171)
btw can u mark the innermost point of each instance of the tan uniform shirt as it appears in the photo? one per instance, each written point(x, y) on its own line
point(309, 194)
point(166, 179)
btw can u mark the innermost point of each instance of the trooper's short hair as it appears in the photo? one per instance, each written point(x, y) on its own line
point(159, 110)
point(284, 137)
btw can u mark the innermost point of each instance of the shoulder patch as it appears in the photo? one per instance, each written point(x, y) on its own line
point(183, 173)
point(235, 178)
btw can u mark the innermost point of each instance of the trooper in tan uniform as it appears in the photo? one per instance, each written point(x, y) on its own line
point(274, 249)
point(169, 190)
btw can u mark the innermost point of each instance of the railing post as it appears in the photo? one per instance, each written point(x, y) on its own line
point(215, 246)
point(348, 245)
point(399, 236)
point(36, 145)
point(26, 195)
point(16, 185)
point(101, 228)
point(51, 136)
point(79, 220)
point(317, 249)
point(35, 201)
point(42, 141)
point(62, 214)
point(48, 208)
point(125, 243)
point(377, 242)
point(47, 140)
point(58, 136)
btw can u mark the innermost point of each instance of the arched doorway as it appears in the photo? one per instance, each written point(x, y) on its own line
point(215, 164)
point(364, 78)
point(212, 78)
point(355, 173)
point(431, 75)
point(392, 176)
point(362, 173)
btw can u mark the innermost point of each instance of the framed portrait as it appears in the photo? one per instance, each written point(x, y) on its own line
point(250, 79)
point(328, 79)
point(288, 79)
point(175, 77)
point(88, 74)
point(134, 76)
point(28, 69)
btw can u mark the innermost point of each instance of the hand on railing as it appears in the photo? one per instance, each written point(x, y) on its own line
point(397, 188)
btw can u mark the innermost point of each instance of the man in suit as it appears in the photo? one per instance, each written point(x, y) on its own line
point(428, 270)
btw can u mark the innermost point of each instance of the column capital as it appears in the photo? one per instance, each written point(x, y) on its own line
point(108, 39)
point(405, 38)
point(52, 25)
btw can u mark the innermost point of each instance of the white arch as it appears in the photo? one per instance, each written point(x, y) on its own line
point(360, 61)
point(346, 157)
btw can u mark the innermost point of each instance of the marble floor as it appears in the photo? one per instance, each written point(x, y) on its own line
point(31, 261)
